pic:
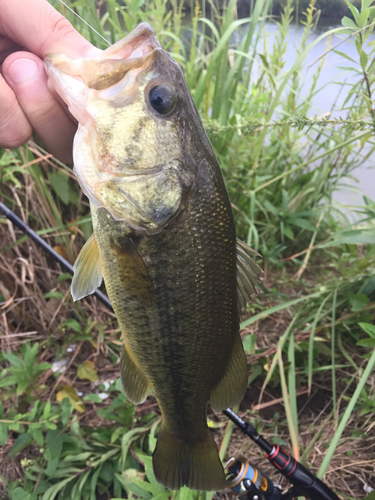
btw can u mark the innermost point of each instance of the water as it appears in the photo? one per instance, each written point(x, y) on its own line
point(332, 94)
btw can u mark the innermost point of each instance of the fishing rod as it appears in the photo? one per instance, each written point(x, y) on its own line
point(242, 478)
point(47, 248)
point(249, 479)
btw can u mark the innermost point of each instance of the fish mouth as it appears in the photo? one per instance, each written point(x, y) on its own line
point(110, 67)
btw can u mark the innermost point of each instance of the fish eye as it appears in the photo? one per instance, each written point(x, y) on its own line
point(161, 99)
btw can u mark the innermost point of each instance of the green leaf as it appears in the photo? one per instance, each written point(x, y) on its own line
point(51, 493)
point(50, 425)
point(73, 324)
point(354, 11)
point(68, 392)
point(3, 433)
point(94, 480)
point(93, 397)
point(21, 494)
point(358, 301)
point(13, 359)
point(117, 433)
point(363, 17)
point(369, 343)
point(6, 382)
point(116, 386)
point(288, 232)
point(342, 54)
point(54, 442)
point(147, 460)
point(60, 183)
point(129, 485)
point(348, 23)
point(107, 472)
point(22, 385)
point(355, 237)
point(47, 410)
point(154, 490)
point(184, 494)
point(303, 223)
point(87, 371)
point(54, 295)
point(368, 328)
point(22, 441)
point(249, 343)
point(363, 58)
point(37, 434)
point(127, 440)
point(348, 69)
point(42, 367)
point(32, 414)
point(31, 354)
point(63, 277)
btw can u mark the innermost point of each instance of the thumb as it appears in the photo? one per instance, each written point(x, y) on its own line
point(24, 73)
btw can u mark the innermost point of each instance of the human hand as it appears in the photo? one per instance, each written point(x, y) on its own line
point(28, 31)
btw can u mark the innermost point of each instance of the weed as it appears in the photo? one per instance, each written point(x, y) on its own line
point(309, 336)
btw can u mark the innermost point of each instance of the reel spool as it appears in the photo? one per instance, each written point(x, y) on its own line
point(245, 479)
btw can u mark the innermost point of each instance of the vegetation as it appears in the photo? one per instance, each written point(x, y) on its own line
point(328, 8)
point(66, 429)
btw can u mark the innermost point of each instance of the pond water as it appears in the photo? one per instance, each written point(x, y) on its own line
point(331, 93)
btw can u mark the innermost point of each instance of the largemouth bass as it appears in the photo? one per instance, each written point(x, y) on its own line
point(165, 242)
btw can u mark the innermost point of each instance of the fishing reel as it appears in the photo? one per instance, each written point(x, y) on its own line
point(246, 481)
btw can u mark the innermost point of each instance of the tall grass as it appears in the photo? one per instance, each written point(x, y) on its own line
point(282, 169)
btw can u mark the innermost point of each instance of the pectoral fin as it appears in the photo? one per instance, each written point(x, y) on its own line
point(133, 272)
point(133, 379)
point(247, 273)
point(87, 270)
point(231, 388)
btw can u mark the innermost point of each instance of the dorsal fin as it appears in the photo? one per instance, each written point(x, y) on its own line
point(247, 273)
point(87, 270)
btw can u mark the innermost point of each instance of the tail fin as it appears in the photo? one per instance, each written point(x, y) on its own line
point(196, 465)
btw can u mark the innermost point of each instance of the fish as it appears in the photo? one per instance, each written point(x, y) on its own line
point(164, 241)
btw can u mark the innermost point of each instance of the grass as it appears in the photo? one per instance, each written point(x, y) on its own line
point(66, 429)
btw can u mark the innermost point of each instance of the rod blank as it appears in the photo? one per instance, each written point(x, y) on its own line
point(47, 248)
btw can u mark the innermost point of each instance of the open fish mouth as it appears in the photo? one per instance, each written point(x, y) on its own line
point(108, 68)
point(124, 100)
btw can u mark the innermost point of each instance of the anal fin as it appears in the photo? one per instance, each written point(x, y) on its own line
point(134, 381)
point(87, 270)
point(231, 388)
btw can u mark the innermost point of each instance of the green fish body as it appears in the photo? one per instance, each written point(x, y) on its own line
point(165, 243)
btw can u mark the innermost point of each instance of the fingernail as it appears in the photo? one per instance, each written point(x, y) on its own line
point(23, 71)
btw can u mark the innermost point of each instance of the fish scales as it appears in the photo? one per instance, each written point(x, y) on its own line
point(165, 242)
point(192, 271)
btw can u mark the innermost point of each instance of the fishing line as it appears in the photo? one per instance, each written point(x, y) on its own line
point(87, 24)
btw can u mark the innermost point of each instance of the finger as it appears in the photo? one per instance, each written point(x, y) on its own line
point(15, 129)
point(38, 27)
point(25, 74)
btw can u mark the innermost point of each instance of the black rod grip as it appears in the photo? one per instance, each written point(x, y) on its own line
point(299, 476)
